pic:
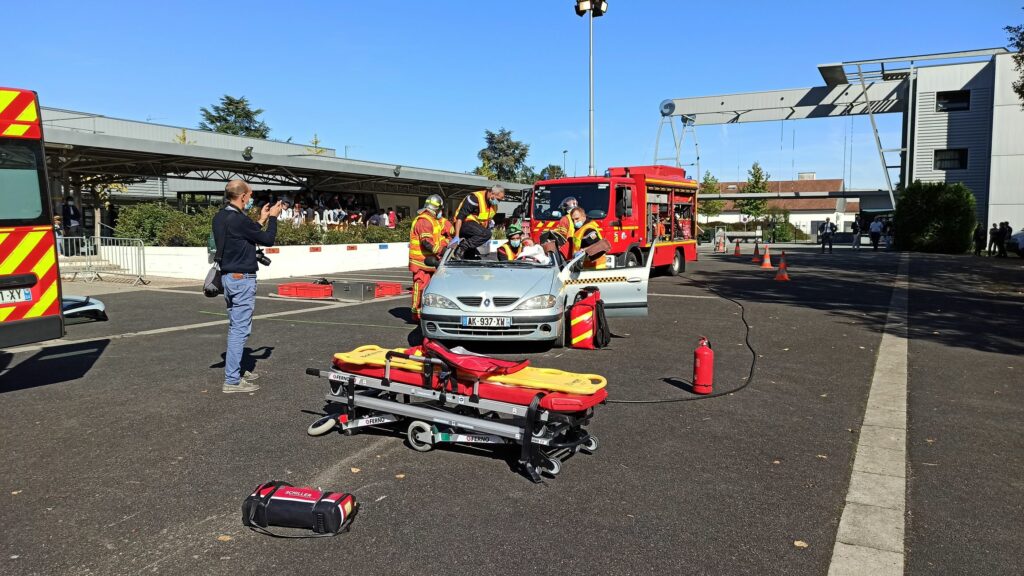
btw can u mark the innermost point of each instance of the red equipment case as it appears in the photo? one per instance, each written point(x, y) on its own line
point(305, 290)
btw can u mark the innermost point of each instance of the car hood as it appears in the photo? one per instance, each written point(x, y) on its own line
point(453, 282)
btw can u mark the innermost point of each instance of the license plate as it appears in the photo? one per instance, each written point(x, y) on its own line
point(15, 295)
point(487, 321)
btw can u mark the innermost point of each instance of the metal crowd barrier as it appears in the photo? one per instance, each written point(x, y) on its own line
point(92, 257)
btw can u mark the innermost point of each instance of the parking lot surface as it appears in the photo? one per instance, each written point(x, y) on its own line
point(122, 456)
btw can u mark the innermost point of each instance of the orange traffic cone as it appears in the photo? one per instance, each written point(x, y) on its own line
point(783, 274)
point(757, 254)
point(737, 252)
point(767, 262)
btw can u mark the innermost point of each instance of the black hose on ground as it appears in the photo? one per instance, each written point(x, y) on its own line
point(750, 375)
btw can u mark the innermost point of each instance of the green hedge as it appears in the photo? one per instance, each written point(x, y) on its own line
point(162, 225)
point(935, 217)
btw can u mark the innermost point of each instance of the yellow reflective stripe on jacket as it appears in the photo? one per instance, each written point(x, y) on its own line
point(416, 255)
point(577, 244)
point(484, 210)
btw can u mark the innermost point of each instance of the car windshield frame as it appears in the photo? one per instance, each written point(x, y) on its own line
point(594, 197)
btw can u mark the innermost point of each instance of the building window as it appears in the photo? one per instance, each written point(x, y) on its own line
point(953, 101)
point(953, 159)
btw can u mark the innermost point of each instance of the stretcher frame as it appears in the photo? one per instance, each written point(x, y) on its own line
point(545, 437)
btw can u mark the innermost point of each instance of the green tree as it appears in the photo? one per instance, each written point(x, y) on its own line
point(314, 146)
point(1016, 34)
point(234, 116)
point(504, 156)
point(485, 170)
point(757, 183)
point(709, 208)
point(551, 172)
point(935, 217)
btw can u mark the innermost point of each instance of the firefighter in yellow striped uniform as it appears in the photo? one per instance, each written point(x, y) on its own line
point(587, 232)
point(427, 242)
point(474, 220)
point(514, 246)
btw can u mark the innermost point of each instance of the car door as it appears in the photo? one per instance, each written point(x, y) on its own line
point(623, 290)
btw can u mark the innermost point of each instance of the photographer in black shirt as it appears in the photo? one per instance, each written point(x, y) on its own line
point(237, 236)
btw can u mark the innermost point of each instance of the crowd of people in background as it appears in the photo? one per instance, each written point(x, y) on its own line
point(998, 235)
point(332, 211)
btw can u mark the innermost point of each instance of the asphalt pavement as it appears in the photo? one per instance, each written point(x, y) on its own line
point(122, 456)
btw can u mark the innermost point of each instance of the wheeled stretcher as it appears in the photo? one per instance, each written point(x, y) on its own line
point(443, 395)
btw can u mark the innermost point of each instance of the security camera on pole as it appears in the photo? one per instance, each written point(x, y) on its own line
point(596, 8)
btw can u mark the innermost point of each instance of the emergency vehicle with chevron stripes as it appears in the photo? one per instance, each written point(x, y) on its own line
point(639, 209)
point(30, 294)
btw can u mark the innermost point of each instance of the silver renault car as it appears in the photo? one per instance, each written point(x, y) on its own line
point(522, 300)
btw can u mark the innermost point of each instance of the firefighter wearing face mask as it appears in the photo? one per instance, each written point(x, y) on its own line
point(587, 232)
point(511, 249)
point(427, 242)
point(566, 227)
point(474, 220)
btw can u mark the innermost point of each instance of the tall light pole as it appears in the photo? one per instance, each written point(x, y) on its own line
point(595, 8)
point(564, 152)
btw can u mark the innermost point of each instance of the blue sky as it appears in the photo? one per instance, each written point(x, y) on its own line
point(418, 82)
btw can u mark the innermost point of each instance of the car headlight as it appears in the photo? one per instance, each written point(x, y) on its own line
point(438, 301)
point(538, 303)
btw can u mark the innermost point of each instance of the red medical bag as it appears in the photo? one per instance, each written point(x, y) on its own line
point(588, 327)
point(278, 503)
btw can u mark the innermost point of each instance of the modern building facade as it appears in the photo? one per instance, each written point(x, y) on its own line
point(962, 122)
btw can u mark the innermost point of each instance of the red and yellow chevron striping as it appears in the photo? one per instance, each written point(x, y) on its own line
point(30, 250)
point(19, 114)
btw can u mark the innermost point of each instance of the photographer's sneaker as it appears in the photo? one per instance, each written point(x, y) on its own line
point(242, 386)
point(250, 376)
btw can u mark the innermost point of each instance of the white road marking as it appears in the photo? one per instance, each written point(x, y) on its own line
point(683, 296)
point(871, 530)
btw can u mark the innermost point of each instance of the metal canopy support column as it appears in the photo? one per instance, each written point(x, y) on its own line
point(678, 142)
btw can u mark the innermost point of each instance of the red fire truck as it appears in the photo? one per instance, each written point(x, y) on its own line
point(634, 206)
point(30, 297)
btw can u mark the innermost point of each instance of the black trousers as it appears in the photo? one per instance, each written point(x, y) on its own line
point(826, 238)
point(473, 236)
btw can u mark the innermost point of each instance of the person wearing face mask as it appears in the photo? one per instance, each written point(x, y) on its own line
point(236, 237)
point(565, 227)
point(427, 242)
point(587, 232)
point(514, 246)
point(474, 220)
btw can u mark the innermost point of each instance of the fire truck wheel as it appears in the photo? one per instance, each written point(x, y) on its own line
point(632, 259)
point(416, 427)
point(678, 264)
point(323, 425)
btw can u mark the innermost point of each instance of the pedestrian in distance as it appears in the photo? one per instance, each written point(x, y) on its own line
point(993, 236)
point(855, 228)
point(1001, 237)
point(237, 237)
point(58, 231)
point(979, 239)
point(72, 217)
point(875, 231)
point(825, 231)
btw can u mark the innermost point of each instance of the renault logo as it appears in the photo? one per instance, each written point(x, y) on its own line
point(487, 302)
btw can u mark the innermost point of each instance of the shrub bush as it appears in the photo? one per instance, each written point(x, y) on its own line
point(163, 225)
point(935, 217)
point(143, 221)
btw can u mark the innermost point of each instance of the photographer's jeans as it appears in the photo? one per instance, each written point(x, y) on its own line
point(240, 296)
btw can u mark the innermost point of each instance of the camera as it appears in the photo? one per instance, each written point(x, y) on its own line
point(262, 258)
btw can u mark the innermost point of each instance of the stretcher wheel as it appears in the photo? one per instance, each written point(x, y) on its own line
point(590, 446)
point(322, 426)
point(417, 427)
point(551, 467)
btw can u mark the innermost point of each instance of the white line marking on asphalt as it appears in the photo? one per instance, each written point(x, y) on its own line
point(63, 342)
point(871, 530)
point(197, 293)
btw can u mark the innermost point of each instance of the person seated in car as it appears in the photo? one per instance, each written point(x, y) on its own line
point(511, 249)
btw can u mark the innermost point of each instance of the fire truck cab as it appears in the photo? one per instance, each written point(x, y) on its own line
point(634, 206)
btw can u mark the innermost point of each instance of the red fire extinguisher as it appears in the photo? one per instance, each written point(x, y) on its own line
point(703, 367)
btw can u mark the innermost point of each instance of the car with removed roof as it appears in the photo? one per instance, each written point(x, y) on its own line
point(522, 299)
